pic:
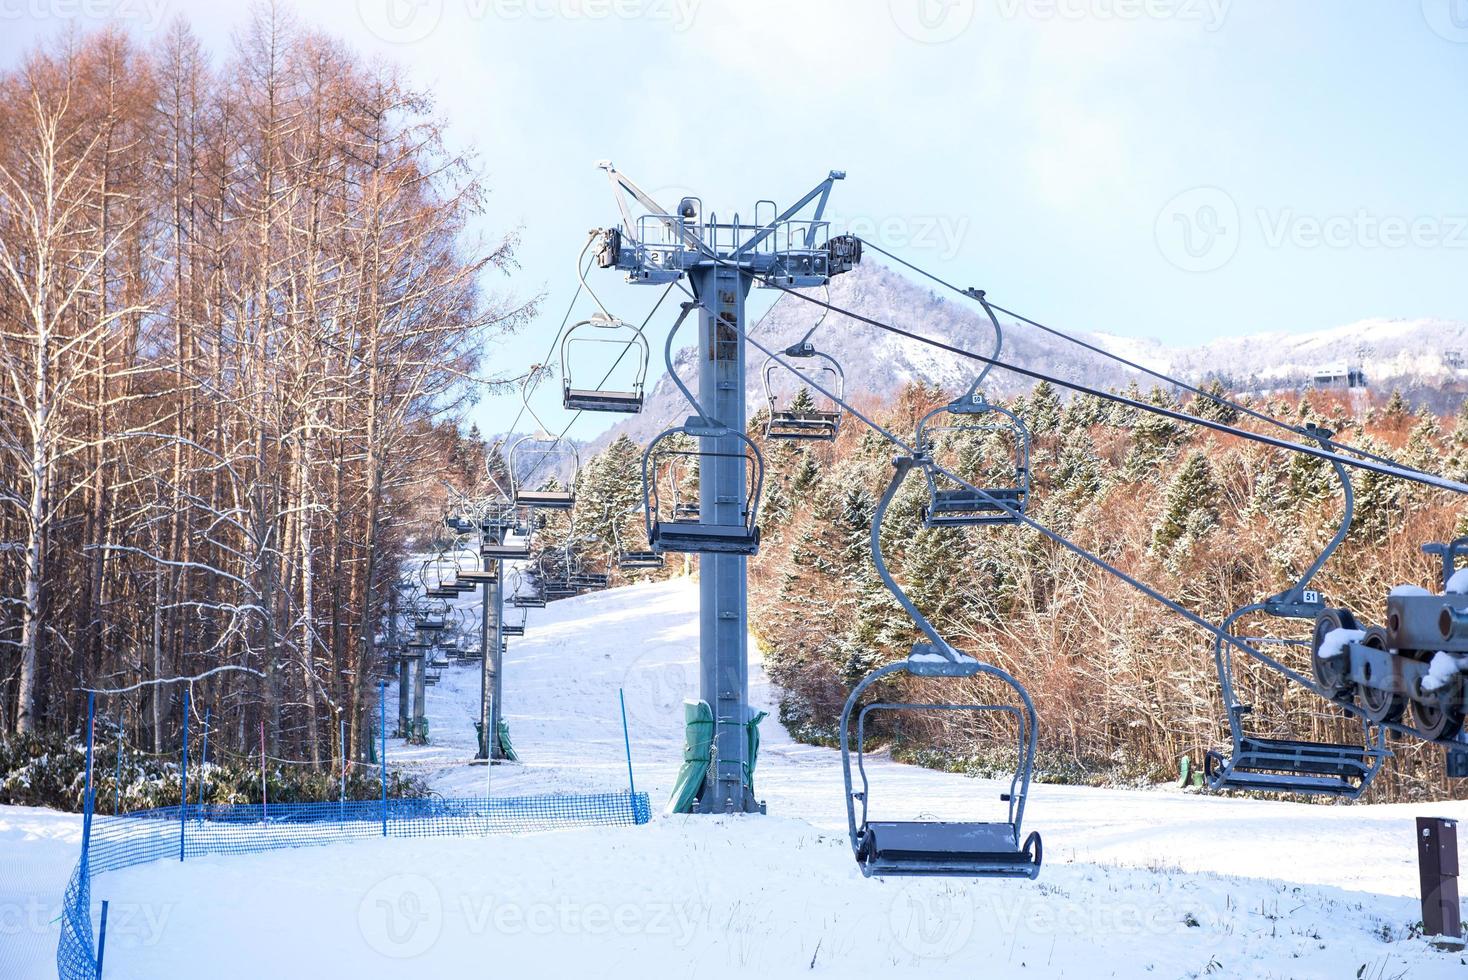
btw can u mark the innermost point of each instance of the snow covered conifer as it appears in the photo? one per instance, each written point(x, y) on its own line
point(1192, 503)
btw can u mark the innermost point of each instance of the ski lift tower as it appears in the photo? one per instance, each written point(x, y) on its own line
point(721, 261)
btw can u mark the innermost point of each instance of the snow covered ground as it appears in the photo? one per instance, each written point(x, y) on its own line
point(1136, 883)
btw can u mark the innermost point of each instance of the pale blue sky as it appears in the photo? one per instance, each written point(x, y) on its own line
point(1180, 169)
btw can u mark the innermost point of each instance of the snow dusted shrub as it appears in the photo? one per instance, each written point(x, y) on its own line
point(51, 771)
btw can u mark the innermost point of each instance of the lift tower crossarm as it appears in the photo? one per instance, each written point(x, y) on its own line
point(822, 191)
point(622, 185)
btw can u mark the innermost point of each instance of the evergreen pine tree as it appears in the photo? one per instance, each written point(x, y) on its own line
point(1191, 503)
point(1210, 404)
point(1397, 410)
point(1043, 415)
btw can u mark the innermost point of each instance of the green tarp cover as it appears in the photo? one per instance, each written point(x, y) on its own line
point(506, 749)
point(698, 719)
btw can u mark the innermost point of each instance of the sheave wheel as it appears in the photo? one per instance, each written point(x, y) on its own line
point(1333, 673)
point(1381, 706)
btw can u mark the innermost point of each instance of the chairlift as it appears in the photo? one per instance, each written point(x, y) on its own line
point(812, 423)
point(630, 559)
point(1281, 765)
point(973, 416)
point(529, 455)
point(602, 328)
point(532, 454)
point(732, 527)
point(929, 847)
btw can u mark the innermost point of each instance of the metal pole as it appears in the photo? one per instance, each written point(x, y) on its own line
point(486, 679)
point(117, 779)
point(723, 631)
point(627, 741)
point(183, 798)
point(102, 940)
point(264, 786)
point(342, 737)
point(420, 666)
point(392, 641)
point(382, 705)
point(87, 786)
point(204, 761)
point(497, 650)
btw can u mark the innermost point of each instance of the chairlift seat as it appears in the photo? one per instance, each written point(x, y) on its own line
point(965, 507)
point(811, 425)
point(446, 592)
point(718, 539)
point(981, 850)
point(512, 629)
point(585, 400)
point(639, 559)
point(479, 576)
point(546, 499)
point(527, 601)
point(430, 624)
point(502, 551)
point(1274, 765)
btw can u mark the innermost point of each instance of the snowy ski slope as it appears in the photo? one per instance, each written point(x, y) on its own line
point(1136, 883)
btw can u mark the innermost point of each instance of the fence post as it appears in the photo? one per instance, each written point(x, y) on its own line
point(183, 798)
point(117, 778)
point(102, 940)
point(342, 738)
point(203, 762)
point(264, 786)
point(382, 731)
point(87, 791)
point(627, 741)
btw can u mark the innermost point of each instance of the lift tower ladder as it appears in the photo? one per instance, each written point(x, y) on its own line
point(721, 261)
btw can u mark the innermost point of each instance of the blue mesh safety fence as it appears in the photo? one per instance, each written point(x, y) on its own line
point(152, 835)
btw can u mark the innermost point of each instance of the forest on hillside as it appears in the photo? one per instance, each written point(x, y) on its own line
point(1124, 687)
point(242, 300)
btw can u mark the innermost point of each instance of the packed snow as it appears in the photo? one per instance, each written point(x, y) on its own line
point(1334, 643)
point(1444, 667)
point(1156, 882)
point(1458, 584)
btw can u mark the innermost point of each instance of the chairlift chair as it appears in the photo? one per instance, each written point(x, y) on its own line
point(728, 530)
point(531, 454)
point(631, 559)
point(616, 333)
point(1281, 765)
point(928, 847)
point(814, 424)
point(953, 504)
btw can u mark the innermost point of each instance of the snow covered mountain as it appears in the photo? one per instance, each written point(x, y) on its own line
point(1427, 359)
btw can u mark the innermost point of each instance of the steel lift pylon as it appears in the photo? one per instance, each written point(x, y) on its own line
point(721, 261)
